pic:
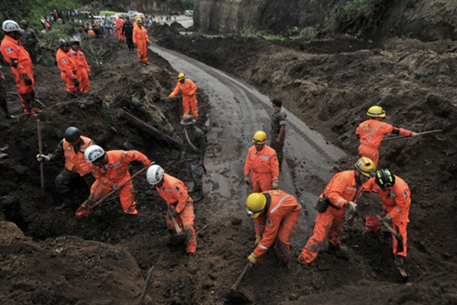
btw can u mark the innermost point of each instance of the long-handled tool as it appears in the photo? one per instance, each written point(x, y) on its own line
point(171, 98)
point(40, 150)
point(238, 296)
point(120, 187)
point(419, 133)
point(175, 224)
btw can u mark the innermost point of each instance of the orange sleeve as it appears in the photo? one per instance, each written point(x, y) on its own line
point(274, 166)
point(135, 155)
point(66, 67)
point(135, 35)
point(269, 236)
point(176, 90)
point(10, 54)
point(193, 87)
point(247, 164)
point(86, 65)
point(335, 193)
point(402, 204)
point(182, 196)
point(146, 35)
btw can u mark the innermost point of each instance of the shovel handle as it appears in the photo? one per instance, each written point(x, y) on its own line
point(419, 133)
point(175, 224)
point(40, 150)
point(120, 186)
point(240, 277)
point(389, 228)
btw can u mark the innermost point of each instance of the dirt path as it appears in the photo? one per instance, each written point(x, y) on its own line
point(237, 111)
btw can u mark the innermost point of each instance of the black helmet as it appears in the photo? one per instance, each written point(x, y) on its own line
point(62, 43)
point(385, 179)
point(72, 134)
point(75, 41)
point(277, 101)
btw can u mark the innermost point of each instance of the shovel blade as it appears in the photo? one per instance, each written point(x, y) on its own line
point(238, 297)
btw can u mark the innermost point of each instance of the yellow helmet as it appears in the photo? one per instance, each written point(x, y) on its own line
point(260, 137)
point(181, 76)
point(376, 112)
point(255, 204)
point(119, 16)
point(366, 166)
point(138, 19)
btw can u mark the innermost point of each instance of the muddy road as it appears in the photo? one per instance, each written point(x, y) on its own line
point(237, 112)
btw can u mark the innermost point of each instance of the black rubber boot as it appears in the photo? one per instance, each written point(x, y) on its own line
point(199, 195)
point(65, 203)
point(399, 261)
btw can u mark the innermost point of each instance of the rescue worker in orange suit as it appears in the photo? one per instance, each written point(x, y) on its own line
point(21, 65)
point(180, 204)
point(141, 40)
point(72, 147)
point(262, 164)
point(339, 196)
point(110, 170)
point(188, 90)
point(67, 67)
point(396, 200)
point(119, 23)
point(275, 214)
point(371, 132)
point(83, 67)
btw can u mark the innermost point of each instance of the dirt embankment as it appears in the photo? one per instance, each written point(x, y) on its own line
point(330, 84)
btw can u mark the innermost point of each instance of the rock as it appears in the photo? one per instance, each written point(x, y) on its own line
point(293, 297)
point(236, 221)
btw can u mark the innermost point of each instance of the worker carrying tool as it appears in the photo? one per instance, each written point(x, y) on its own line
point(180, 205)
point(339, 195)
point(68, 68)
point(141, 40)
point(72, 147)
point(278, 129)
point(194, 148)
point(83, 71)
point(396, 200)
point(371, 132)
point(188, 90)
point(275, 214)
point(21, 65)
point(110, 170)
point(262, 164)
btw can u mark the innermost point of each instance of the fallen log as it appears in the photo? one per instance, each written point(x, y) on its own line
point(148, 129)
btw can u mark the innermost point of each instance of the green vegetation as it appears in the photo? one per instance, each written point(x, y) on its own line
point(185, 4)
point(249, 32)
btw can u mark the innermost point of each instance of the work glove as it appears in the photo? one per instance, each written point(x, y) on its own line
point(27, 80)
point(350, 206)
point(246, 179)
point(75, 82)
point(83, 211)
point(252, 258)
point(274, 185)
point(173, 213)
point(258, 238)
point(41, 157)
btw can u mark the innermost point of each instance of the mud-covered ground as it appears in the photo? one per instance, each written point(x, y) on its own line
point(49, 257)
point(329, 84)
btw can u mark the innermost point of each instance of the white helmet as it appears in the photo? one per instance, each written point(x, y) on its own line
point(154, 174)
point(10, 26)
point(93, 153)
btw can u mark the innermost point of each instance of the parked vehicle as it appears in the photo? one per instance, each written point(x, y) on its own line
point(174, 13)
point(188, 13)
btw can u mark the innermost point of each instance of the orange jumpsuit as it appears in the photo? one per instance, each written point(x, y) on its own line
point(75, 162)
point(119, 23)
point(141, 40)
point(83, 70)
point(189, 99)
point(341, 189)
point(263, 166)
point(19, 59)
point(395, 202)
point(283, 213)
point(176, 195)
point(116, 172)
point(370, 134)
point(68, 69)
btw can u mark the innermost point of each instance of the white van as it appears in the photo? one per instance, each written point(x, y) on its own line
point(188, 13)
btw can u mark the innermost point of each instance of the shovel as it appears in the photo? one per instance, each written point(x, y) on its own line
point(444, 130)
point(237, 296)
point(40, 150)
point(179, 238)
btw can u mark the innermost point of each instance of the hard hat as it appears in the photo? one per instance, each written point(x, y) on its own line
point(154, 174)
point(93, 153)
point(255, 204)
point(119, 16)
point(75, 41)
point(23, 22)
point(181, 76)
point(62, 43)
point(376, 112)
point(188, 119)
point(10, 26)
point(138, 19)
point(385, 179)
point(72, 134)
point(260, 137)
point(366, 166)
point(277, 101)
